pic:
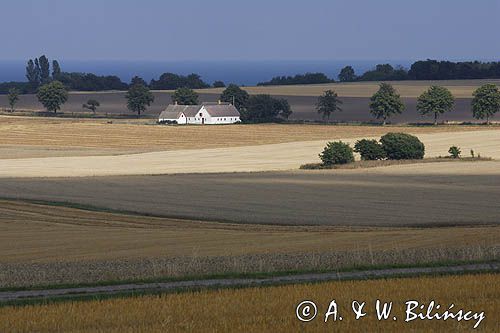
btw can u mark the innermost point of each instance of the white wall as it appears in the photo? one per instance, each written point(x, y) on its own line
point(182, 120)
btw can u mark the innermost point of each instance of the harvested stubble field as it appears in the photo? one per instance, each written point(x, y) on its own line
point(54, 133)
point(269, 309)
point(459, 88)
point(430, 194)
point(42, 245)
point(156, 150)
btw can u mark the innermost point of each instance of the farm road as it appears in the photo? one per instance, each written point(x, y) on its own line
point(250, 282)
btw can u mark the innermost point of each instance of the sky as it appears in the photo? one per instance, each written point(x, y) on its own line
point(250, 29)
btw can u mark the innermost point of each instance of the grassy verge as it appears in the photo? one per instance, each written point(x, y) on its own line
point(247, 275)
point(257, 275)
point(382, 163)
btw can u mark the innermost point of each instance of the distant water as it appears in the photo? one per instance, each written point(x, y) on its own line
point(239, 72)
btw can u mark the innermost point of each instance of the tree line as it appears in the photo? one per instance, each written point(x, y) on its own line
point(40, 71)
point(253, 109)
point(419, 70)
point(435, 101)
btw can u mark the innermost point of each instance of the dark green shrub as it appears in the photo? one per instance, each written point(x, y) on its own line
point(455, 152)
point(370, 150)
point(402, 146)
point(337, 152)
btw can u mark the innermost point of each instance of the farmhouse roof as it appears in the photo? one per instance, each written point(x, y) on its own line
point(174, 111)
point(222, 110)
point(215, 110)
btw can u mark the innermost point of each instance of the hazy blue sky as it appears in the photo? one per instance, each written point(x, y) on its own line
point(250, 29)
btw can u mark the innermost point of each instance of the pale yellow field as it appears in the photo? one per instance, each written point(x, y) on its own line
point(235, 158)
point(270, 309)
point(459, 88)
point(53, 133)
point(38, 233)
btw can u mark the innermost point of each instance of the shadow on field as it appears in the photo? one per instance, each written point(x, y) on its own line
point(285, 198)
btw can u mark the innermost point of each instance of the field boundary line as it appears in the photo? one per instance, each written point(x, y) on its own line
point(24, 295)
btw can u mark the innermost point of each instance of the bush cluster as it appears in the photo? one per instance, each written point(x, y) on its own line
point(337, 152)
point(393, 146)
point(370, 150)
point(402, 146)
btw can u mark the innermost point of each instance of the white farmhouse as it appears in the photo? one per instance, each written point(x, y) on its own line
point(209, 114)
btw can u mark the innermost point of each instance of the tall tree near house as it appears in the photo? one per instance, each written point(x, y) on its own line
point(38, 71)
point(328, 103)
point(52, 95)
point(236, 96)
point(56, 70)
point(92, 105)
point(44, 69)
point(436, 100)
point(347, 74)
point(385, 103)
point(486, 102)
point(13, 97)
point(139, 97)
point(185, 96)
point(32, 74)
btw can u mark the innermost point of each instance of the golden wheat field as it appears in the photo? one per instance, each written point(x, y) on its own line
point(270, 309)
point(53, 134)
point(42, 245)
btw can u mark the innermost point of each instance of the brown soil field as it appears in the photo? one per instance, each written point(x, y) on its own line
point(432, 194)
point(270, 309)
point(302, 99)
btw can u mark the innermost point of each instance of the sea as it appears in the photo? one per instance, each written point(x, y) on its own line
point(241, 72)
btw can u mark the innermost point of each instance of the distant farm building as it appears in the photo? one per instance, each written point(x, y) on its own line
point(206, 114)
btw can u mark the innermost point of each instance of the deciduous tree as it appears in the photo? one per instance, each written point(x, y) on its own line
point(13, 97)
point(52, 95)
point(486, 102)
point(235, 95)
point(436, 100)
point(185, 96)
point(91, 104)
point(328, 103)
point(347, 74)
point(139, 97)
point(385, 103)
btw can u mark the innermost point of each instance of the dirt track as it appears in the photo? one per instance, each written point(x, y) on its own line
point(213, 283)
point(274, 157)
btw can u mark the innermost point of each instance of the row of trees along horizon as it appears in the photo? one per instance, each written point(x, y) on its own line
point(39, 72)
point(384, 104)
point(435, 101)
